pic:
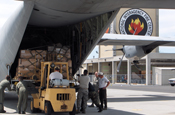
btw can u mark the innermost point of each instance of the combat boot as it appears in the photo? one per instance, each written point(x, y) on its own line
point(83, 111)
point(100, 109)
point(78, 111)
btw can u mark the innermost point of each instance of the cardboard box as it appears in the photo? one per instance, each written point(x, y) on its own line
point(27, 63)
point(68, 51)
point(65, 48)
point(26, 72)
point(50, 48)
point(59, 56)
point(64, 68)
point(70, 70)
point(64, 75)
point(62, 52)
point(68, 55)
point(59, 45)
point(58, 50)
point(40, 54)
point(70, 63)
point(64, 59)
point(29, 54)
point(58, 53)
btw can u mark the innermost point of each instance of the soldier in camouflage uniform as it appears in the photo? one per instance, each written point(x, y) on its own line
point(3, 84)
point(93, 95)
point(96, 86)
point(21, 90)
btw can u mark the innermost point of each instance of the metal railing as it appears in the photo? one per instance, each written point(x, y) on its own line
point(135, 78)
point(122, 78)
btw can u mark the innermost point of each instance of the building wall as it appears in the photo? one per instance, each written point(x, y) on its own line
point(123, 68)
point(155, 76)
point(161, 75)
point(104, 53)
point(95, 67)
point(91, 67)
point(106, 68)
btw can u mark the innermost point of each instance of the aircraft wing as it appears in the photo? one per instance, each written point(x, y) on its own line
point(118, 39)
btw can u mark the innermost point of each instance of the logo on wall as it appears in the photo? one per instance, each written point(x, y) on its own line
point(136, 22)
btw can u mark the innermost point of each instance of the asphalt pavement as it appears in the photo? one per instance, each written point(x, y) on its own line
point(122, 100)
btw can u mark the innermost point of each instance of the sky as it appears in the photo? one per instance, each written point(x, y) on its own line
point(166, 23)
point(6, 9)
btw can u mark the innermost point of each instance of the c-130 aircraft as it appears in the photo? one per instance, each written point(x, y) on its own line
point(79, 24)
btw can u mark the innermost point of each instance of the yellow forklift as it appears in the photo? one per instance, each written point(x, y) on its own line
point(54, 95)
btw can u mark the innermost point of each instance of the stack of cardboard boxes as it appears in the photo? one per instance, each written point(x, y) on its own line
point(29, 63)
point(59, 53)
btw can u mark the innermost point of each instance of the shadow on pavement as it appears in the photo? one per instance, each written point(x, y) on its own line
point(10, 104)
point(153, 88)
point(109, 111)
point(11, 100)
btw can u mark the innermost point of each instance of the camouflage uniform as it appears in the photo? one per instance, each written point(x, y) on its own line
point(21, 90)
point(3, 84)
point(96, 87)
point(94, 97)
point(82, 96)
point(95, 83)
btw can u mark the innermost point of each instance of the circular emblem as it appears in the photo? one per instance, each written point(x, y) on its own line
point(136, 22)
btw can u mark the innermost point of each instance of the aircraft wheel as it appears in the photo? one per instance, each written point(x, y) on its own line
point(172, 84)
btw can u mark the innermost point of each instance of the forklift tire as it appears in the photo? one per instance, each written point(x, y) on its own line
point(32, 108)
point(47, 108)
point(73, 111)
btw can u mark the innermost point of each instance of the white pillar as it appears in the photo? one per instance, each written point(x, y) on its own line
point(114, 73)
point(86, 66)
point(148, 70)
point(129, 72)
point(99, 69)
point(79, 71)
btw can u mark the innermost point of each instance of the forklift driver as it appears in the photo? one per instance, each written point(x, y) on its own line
point(56, 74)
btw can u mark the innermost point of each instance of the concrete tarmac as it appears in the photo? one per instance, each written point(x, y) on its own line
point(122, 100)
